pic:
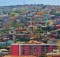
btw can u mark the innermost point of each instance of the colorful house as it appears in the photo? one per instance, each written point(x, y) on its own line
point(31, 49)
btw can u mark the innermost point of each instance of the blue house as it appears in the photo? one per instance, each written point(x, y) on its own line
point(1, 24)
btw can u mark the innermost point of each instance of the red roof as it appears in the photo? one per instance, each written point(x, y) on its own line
point(58, 26)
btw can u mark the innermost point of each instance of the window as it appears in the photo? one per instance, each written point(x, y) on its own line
point(11, 31)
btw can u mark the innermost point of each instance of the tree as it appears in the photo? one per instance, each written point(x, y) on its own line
point(15, 24)
point(59, 32)
point(53, 11)
point(12, 14)
point(48, 28)
point(40, 30)
point(23, 38)
point(17, 11)
point(1, 47)
point(4, 12)
point(42, 56)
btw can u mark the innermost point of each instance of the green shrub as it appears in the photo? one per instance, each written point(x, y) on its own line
point(42, 56)
point(1, 47)
point(59, 32)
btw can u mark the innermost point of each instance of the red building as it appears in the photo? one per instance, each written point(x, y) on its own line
point(31, 49)
point(58, 26)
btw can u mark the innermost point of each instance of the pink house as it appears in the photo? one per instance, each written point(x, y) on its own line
point(38, 50)
point(26, 50)
point(50, 49)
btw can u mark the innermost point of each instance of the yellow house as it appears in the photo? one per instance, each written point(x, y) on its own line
point(40, 13)
point(58, 44)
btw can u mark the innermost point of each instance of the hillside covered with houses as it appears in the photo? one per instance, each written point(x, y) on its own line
point(30, 23)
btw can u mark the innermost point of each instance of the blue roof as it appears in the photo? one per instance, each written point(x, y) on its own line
point(3, 44)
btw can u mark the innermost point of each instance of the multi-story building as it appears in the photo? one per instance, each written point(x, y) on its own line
point(32, 49)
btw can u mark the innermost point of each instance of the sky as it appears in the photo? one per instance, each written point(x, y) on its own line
point(21, 2)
